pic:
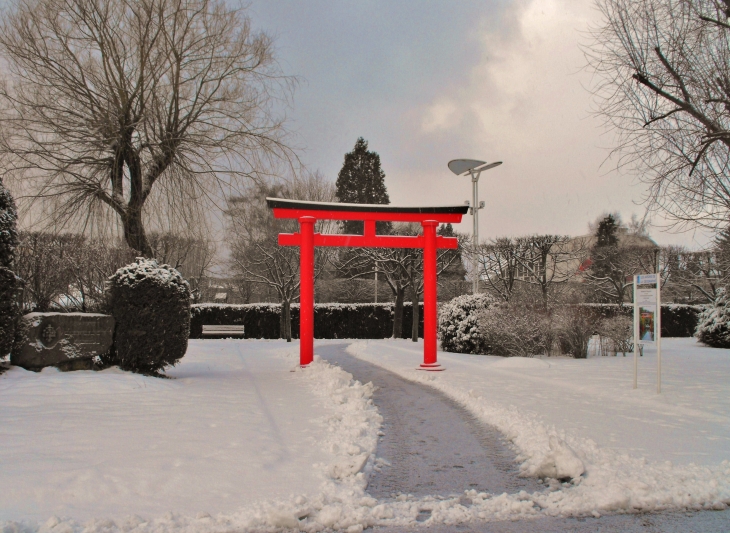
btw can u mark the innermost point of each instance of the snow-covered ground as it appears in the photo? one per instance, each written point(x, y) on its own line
point(235, 430)
point(243, 439)
point(638, 449)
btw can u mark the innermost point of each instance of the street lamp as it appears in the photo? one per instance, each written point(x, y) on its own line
point(462, 167)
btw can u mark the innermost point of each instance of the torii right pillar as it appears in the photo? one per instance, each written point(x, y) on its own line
point(430, 313)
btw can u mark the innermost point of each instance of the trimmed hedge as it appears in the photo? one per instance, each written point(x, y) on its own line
point(151, 308)
point(331, 321)
point(678, 320)
point(375, 321)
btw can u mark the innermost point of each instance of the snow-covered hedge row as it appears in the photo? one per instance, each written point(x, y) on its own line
point(151, 308)
point(714, 323)
point(331, 321)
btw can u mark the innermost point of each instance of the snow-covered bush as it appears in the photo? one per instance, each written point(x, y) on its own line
point(151, 308)
point(458, 325)
point(574, 326)
point(713, 328)
point(513, 330)
point(619, 332)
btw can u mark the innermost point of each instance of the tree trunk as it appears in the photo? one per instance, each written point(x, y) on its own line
point(416, 315)
point(134, 233)
point(285, 320)
point(398, 313)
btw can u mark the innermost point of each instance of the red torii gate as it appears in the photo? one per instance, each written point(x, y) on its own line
point(307, 213)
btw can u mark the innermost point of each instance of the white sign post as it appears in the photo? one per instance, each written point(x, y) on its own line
point(648, 320)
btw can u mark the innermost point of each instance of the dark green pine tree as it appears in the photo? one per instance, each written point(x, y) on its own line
point(362, 181)
point(606, 233)
point(9, 283)
point(8, 228)
point(605, 254)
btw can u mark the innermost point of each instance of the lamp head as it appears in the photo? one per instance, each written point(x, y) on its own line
point(465, 166)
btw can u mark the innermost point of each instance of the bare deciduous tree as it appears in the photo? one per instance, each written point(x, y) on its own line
point(191, 256)
point(664, 85)
point(499, 260)
point(67, 271)
point(691, 276)
point(117, 108)
point(546, 262)
point(256, 256)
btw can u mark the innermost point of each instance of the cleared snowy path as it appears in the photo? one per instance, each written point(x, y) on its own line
point(434, 445)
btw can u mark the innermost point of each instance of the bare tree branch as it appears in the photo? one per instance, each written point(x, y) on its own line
point(115, 110)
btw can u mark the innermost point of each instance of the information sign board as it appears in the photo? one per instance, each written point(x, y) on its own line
point(647, 320)
point(646, 299)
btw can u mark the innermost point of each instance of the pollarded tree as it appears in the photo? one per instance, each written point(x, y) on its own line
point(115, 109)
point(362, 181)
point(663, 71)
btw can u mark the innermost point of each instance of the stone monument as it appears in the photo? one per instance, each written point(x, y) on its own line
point(58, 338)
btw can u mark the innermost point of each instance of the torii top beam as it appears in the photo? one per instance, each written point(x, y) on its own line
point(369, 213)
point(284, 208)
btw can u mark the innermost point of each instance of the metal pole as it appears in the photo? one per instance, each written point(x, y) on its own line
point(636, 338)
point(475, 213)
point(658, 326)
point(376, 282)
point(306, 291)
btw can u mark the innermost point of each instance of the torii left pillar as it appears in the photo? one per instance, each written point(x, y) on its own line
point(306, 291)
point(430, 312)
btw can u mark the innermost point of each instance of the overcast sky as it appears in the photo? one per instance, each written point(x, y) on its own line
point(427, 82)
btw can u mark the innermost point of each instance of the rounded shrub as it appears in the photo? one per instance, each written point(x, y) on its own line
point(458, 324)
point(713, 328)
point(514, 330)
point(151, 308)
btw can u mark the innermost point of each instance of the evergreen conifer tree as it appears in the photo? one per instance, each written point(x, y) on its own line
point(606, 234)
point(8, 228)
point(9, 283)
point(605, 255)
point(362, 181)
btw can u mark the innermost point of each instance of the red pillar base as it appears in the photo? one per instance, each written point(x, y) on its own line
point(431, 367)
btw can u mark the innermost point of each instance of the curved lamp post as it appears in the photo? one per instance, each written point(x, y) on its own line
point(474, 168)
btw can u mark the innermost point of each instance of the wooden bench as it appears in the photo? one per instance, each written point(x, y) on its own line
point(222, 331)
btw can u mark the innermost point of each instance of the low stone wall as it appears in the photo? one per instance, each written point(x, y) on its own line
point(58, 338)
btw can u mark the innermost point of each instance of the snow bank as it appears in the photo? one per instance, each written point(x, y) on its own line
point(241, 439)
point(603, 480)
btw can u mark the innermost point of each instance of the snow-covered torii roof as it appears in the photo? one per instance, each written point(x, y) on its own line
point(285, 208)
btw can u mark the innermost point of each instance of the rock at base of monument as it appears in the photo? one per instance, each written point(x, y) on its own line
point(59, 338)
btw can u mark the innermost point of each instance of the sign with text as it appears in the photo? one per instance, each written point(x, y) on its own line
point(646, 301)
point(648, 321)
